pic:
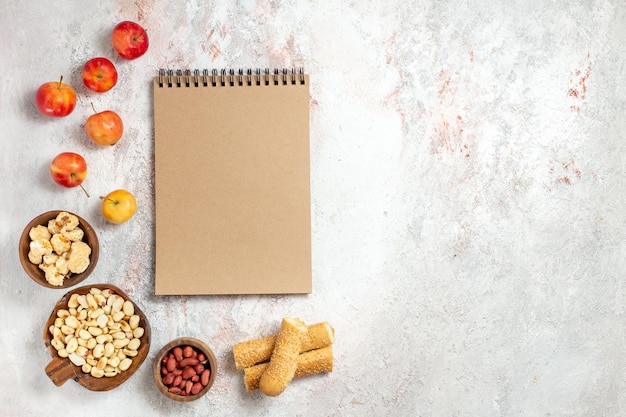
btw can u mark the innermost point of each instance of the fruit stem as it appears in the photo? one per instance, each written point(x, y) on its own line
point(140, 36)
point(85, 191)
point(110, 199)
point(81, 185)
point(93, 107)
point(61, 82)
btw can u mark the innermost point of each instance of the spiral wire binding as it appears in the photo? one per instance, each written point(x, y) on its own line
point(230, 77)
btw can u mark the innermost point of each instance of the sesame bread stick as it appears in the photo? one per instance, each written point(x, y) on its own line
point(251, 352)
point(309, 363)
point(284, 359)
point(255, 351)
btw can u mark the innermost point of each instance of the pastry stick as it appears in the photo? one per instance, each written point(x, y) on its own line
point(309, 363)
point(251, 352)
point(284, 359)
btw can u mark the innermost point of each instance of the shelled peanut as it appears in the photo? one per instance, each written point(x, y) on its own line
point(185, 370)
point(99, 332)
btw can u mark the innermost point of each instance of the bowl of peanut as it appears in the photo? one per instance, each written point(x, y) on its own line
point(96, 336)
point(58, 249)
point(184, 369)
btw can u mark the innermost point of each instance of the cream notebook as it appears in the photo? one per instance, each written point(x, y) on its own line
point(232, 182)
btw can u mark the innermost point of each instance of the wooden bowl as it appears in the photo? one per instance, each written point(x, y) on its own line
point(211, 364)
point(61, 369)
point(38, 275)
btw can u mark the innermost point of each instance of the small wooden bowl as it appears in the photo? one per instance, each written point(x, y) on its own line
point(61, 369)
point(211, 364)
point(38, 275)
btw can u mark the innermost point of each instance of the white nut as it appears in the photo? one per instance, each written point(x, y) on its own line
point(72, 321)
point(111, 300)
point(117, 305)
point(63, 313)
point(125, 364)
point(118, 316)
point(84, 334)
point(73, 301)
point(91, 343)
point(102, 362)
point(114, 361)
point(124, 326)
point(101, 321)
point(98, 351)
point(130, 352)
point(55, 332)
point(91, 301)
point(138, 332)
point(65, 329)
point(128, 308)
point(72, 345)
point(57, 344)
point(133, 321)
point(82, 314)
point(95, 331)
point(118, 335)
point(134, 344)
point(100, 299)
point(120, 343)
point(89, 323)
point(76, 359)
point(82, 300)
point(109, 350)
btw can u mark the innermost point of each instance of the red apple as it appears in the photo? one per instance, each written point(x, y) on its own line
point(129, 40)
point(69, 169)
point(99, 75)
point(104, 128)
point(55, 99)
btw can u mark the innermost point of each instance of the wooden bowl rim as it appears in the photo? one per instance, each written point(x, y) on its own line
point(86, 380)
point(182, 341)
point(37, 274)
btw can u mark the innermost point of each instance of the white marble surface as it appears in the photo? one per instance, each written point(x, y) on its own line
point(468, 185)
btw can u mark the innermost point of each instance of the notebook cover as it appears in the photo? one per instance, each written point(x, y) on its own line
point(232, 189)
